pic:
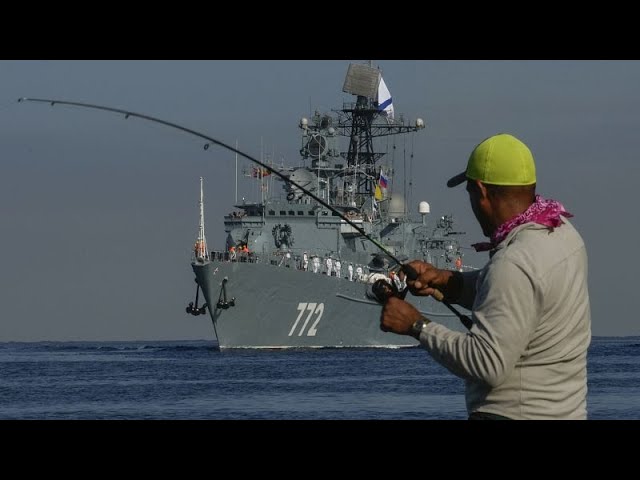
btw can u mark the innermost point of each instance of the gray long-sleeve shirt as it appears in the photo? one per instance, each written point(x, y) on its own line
point(526, 355)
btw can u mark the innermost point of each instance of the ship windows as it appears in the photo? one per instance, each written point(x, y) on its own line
point(291, 212)
point(272, 212)
point(300, 212)
point(311, 212)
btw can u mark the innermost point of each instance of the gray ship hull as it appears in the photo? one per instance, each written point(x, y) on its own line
point(279, 307)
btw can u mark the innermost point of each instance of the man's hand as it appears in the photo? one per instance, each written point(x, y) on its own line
point(431, 278)
point(398, 316)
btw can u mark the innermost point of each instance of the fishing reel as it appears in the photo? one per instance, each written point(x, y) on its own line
point(384, 288)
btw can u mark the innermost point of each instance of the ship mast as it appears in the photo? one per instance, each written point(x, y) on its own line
point(200, 250)
point(361, 122)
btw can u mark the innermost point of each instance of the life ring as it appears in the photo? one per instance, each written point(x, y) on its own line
point(291, 196)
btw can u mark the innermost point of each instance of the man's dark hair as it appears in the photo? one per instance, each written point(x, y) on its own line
point(506, 191)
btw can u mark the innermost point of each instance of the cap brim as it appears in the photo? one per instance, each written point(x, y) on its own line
point(457, 180)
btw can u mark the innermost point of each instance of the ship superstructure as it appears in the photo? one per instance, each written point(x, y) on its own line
point(294, 273)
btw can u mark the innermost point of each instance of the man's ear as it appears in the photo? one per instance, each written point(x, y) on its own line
point(482, 189)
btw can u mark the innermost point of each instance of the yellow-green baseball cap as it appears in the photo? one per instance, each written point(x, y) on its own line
point(499, 160)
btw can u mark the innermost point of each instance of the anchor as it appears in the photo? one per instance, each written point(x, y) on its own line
point(194, 310)
point(222, 299)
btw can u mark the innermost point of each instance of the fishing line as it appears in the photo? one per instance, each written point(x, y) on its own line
point(408, 270)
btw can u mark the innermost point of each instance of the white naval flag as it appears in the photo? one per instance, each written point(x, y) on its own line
point(385, 104)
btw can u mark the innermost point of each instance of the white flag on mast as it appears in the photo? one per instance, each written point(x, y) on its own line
point(385, 104)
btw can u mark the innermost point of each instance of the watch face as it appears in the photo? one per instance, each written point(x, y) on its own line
point(417, 326)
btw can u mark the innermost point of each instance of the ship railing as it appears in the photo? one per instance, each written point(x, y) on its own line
point(361, 273)
point(197, 259)
point(243, 257)
point(278, 259)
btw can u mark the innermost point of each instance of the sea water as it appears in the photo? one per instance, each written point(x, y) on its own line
point(193, 380)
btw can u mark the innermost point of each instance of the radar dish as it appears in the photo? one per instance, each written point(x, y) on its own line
point(317, 145)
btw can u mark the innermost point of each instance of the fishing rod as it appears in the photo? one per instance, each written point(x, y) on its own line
point(407, 269)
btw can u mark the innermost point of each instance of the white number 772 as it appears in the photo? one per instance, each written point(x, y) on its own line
point(317, 308)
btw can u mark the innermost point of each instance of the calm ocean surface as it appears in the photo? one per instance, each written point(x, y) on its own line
point(192, 380)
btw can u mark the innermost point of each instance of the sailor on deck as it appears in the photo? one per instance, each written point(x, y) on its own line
point(329, 265)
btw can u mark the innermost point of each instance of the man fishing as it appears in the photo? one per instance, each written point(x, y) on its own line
point(525, 355)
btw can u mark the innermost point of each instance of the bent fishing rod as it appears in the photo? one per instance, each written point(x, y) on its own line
point(407, 269)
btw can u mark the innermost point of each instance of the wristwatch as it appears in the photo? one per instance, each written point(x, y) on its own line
point(418, 326)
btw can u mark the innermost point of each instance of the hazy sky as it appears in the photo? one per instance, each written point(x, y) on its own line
point(99, 213)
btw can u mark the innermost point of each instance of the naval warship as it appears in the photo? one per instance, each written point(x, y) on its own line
point(296, 274)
